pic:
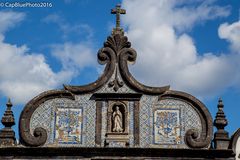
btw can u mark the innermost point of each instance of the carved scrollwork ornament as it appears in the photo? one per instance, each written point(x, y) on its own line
point(117, 42)
point(194, 138)
point(116, 83)
point(39, 136)
point(117, 51)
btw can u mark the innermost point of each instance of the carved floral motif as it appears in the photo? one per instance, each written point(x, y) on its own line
point(116, 83)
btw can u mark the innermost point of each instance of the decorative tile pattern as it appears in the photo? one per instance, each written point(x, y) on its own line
point(167, 126)
point(89, 119)
point(104, 121)
point(44, 117)
point(163, 124)
point(131, 123)
point(145, 117)
point(150, 107)
point(68, 126)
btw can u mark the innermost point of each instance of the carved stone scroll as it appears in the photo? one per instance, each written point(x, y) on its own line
point(105, 56)
point(129, 55)
point(117, 50)
point(192, 138)
point(39, 136)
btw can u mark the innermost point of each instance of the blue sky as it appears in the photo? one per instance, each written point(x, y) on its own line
point(192, 45)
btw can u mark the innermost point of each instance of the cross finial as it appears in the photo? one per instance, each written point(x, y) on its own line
point(118, 11)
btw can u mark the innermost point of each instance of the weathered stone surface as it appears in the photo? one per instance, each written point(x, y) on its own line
point(235, 143)
point(148, 116)
point(221, 138)
point(116, 116)
point(238, 149)
point(114, 153)
point(7, 135)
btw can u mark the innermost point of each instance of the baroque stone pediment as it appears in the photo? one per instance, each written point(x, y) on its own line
point(118, 116)
point(148, 116)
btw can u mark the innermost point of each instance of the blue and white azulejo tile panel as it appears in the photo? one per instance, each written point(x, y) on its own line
point(167, 126)
point(164, 123)
point(68, 125)
point(68, 122)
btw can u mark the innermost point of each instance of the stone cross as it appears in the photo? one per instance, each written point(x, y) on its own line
point(118, 11)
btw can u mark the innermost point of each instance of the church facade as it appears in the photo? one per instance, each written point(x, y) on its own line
point(117, 117)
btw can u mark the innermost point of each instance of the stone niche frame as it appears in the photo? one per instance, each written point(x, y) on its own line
point(120, 138)
point(112, 99)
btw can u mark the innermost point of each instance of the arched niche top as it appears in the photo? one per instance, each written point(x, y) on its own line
point(118, 103)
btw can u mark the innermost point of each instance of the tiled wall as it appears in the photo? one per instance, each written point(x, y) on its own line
point(46, 116)
point(162, 123)
point(176, 118)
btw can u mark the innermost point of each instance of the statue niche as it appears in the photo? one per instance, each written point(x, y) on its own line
point(117, 119)
point(117, 132)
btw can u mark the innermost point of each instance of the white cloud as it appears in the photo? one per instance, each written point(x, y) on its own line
point(231, 32)
point(75, 56)
point(9, 20)
point(68, 29)
point(179, 14)
point(25, 74)
point(168, 55)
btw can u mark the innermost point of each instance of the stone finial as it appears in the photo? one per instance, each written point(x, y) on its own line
point(221, 139)
point(118, 11)
point(7, 135)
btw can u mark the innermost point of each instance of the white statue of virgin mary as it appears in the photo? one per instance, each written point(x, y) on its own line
point(117, 121)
